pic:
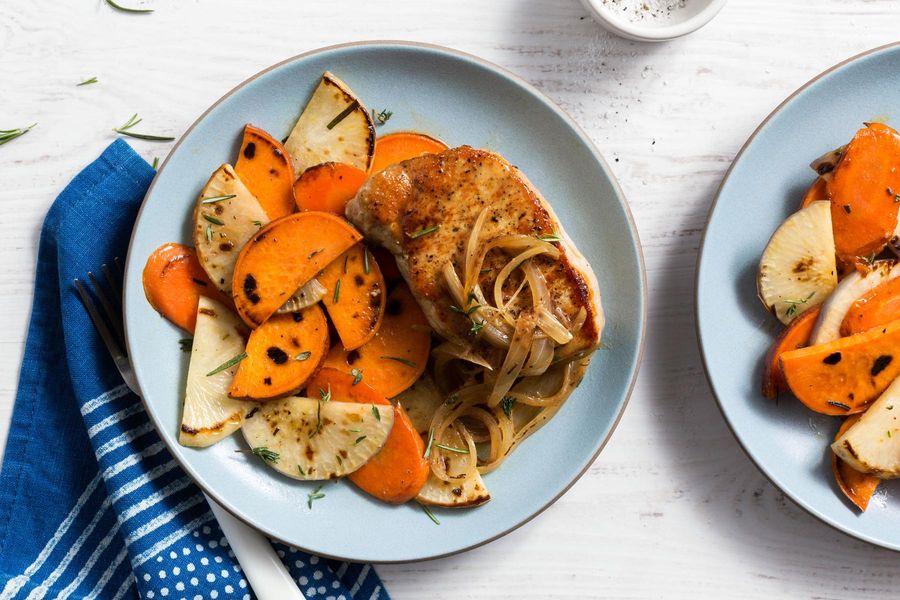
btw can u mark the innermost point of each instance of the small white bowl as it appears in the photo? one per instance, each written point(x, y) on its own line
point(684, 20)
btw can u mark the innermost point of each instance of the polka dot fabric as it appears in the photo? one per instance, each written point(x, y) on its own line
point(102, 510)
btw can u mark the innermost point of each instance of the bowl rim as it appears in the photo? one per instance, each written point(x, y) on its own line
point(629, 217)
point(648, 33)
point(802, 503)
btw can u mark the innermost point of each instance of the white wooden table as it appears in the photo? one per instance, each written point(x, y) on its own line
point(672, 508)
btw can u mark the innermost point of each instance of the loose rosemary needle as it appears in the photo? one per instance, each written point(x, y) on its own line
point(134, 120)
point(87, 82)
point(119, 7)
point(8, 135)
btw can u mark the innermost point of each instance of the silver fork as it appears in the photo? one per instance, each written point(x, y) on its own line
point(266, 573)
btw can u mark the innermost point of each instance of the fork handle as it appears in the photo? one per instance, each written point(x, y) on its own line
point(267, 575)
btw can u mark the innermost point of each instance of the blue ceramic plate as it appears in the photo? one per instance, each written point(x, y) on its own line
point(462, 100)
point(765, 184)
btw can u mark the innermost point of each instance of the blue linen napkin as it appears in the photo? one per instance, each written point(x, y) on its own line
point(92, 505)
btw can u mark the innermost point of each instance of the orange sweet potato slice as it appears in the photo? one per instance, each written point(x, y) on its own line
point(400, 146)
point(327, 187)
point(283, 256)
point(842, 377)
point(396, 357)
point(795, 336)
point(356, 296)
point(858, 487)
point(878, 307)
point(265, 168)
point(863, 191)
point(282, 354)
point(817, 191)
point(173, 283)
point(398, 471)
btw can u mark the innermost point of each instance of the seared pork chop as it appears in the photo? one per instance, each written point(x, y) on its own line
point(423, 211)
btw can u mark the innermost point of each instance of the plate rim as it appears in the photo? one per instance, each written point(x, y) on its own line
point(802, 503)
point(604, 165)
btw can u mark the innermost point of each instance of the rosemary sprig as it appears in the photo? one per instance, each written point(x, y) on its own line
point(357, 375)
point(382, 117)
point(213, 220)
point(794, 304)
point(134, 120)
point(155, 164)
point(376, 412)
point(209, 234)
point(8, 135)
point(466, 312)
point(314, 252)
point(451, 449)
point(316, 494)
point(337, 292)
point(303, 356)
point(366, 260)
point(401, 360)
point(430, 443)
point(430, 514)
point(266, 454)
point(423, 232)
point(346, 258)
point(507, 405)
point(90, 81)
point(214, 199)
point(300, 468)
point(476, 327)
point(228, 364)
point(359, 439)
point(325, 396)
point(121, 8)
point(343, 115)
point(549, 237)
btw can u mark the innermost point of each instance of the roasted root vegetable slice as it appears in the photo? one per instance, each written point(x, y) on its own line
point(842, 377)
point(284, 256)
point(316, 438)
point(334, 126)
point(795, 336)
point(225, 217)
point(265, 168)
point(816, 192)
point(857, 487)
point(398, 471)
point(282, 354)
point(354, 297)
point(798, 268)
point(863, 192)
point(396, 357)
point(421, 401)
point(465, 486)
point(397, 147)
point(327, 187)
point(173, 283)
point(209, 414)
point(872, 444)
point(851, 288)
point(878, 307)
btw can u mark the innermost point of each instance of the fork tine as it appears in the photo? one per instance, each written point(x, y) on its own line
point(105, 334)
point(113, 282)
point(112, 314)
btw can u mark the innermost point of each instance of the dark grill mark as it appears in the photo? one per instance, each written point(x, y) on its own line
point(358, 280)
point(250, 289)
point(456, 491)
point(267, 381)
point(198, 281)
point(881, 363)
point(298, 316)
point(277, 152)
point(277, 355)
point(832, 359)
point(226, 246)
point(249, 150)
point(208, 312)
